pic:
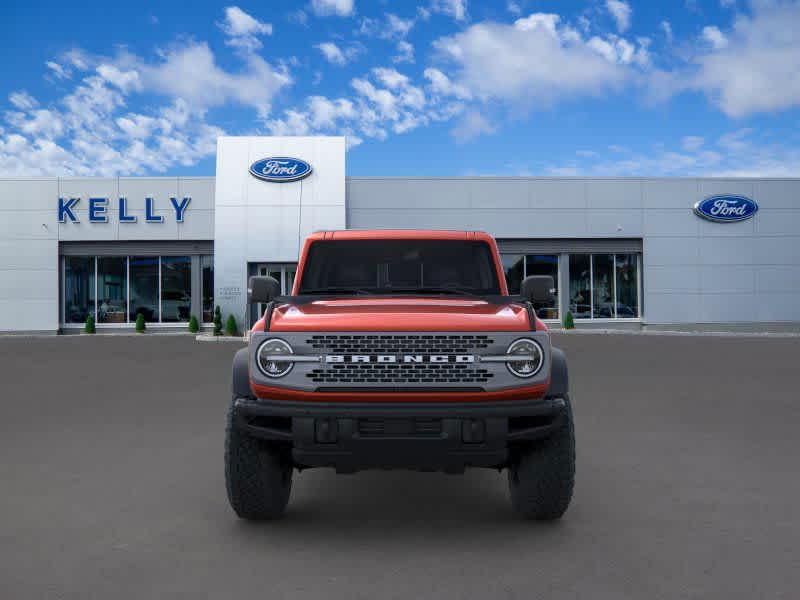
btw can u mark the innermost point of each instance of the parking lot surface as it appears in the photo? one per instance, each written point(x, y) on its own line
point(111, 471)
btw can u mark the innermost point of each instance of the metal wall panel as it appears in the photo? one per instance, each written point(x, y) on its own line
point(134, 248)
point(28, 255)
point(689, 263)
point(557, 246)
point(262, 221)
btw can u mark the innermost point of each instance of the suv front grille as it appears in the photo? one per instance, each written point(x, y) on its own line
point(394, 373)
point(400, 373)
point(399, 344)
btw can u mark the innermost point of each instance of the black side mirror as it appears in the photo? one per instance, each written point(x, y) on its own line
point(262, 289)
point(539, 289)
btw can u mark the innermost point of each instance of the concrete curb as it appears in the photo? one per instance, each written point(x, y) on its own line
point(220, 338)
point(743, 334)
point(98, 334)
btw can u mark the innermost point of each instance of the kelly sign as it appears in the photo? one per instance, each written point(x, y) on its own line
point(98, 210)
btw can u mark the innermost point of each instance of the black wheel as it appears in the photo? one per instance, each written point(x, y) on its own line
point(258, 476)
point(542, 475)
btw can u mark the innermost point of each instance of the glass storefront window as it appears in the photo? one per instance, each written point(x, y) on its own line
point(144, 288)
point(580, 286)
point(207, 269)
point(112, 289)
point(627, 286)
point(544, 264)
point(176, 289)
point(78, 288)
point(603, 286)
point(514, 267)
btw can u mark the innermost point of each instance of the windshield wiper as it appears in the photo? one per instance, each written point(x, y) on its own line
point(336, 290)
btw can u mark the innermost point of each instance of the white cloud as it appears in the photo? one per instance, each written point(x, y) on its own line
point(405, 53)
point(619, 50)
point(715, 37)
point(398, 27)
point(58, 70)
point(472, 124)
point(37, 123)
point(138, 126)
point(191, 72)
point(758, 70)
point(621, 11)
point(385, 101)
point(514, 8)
point(298, 16)
point(453, 8)
point(332, 53)
point(666, 27)
point(391, 27)
point(336, 55)
point(692, 143)
point(127, 80)
point(536, 60)
point(441, 84)
point(735, 154)
point(22, 100)
point(91, 130)
point(243, 29)
point(391, 78)
point(339, 8)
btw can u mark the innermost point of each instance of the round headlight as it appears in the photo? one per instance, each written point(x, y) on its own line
point(530, 361)
point(266, 361)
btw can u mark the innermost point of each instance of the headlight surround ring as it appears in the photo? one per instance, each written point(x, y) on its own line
point(525, 346)
point(270, 368)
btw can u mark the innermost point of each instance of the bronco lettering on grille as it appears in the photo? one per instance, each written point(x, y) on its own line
point(400, 358)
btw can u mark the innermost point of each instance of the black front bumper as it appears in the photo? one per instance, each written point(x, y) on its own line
point(421, 436)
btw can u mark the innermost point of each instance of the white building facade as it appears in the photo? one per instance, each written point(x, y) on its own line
point(632, 252)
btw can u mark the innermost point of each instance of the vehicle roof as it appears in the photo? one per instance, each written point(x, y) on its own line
point(400, 234)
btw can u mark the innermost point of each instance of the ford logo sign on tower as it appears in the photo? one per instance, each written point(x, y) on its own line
point(726, 209)
point(280, 169)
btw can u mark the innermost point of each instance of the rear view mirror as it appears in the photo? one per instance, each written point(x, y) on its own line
point(539, 289)
point(262, 289)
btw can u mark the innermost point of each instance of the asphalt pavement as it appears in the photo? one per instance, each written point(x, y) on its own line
point(111, 485)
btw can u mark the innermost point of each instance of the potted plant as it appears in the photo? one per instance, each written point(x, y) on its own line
point(89, 326)
point(230, 326)
point(217, 321)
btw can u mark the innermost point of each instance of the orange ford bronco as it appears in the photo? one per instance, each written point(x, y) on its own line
point(400, 349)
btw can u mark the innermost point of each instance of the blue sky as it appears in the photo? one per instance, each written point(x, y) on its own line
point(436, 87)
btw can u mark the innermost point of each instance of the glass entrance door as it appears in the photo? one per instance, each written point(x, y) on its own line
point(283, 272)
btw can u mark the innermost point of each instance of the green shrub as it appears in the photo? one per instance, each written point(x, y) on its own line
point(140, 324)
point(217, 321)
point(194, 327)
point(230, 326)
point(89, 327)
point(569, 322)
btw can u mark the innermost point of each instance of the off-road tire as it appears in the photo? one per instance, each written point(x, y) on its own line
point(541, 476)
point(258, 476)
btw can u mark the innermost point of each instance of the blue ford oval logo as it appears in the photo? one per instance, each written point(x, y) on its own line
point(725, 208)
point(280, 169)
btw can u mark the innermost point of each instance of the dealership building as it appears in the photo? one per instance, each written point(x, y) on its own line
point(624, 252)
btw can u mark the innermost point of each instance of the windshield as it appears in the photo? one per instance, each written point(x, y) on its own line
point(400, 266)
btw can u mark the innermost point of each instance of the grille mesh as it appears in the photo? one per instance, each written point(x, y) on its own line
point(400, 373)
point(399, 344)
